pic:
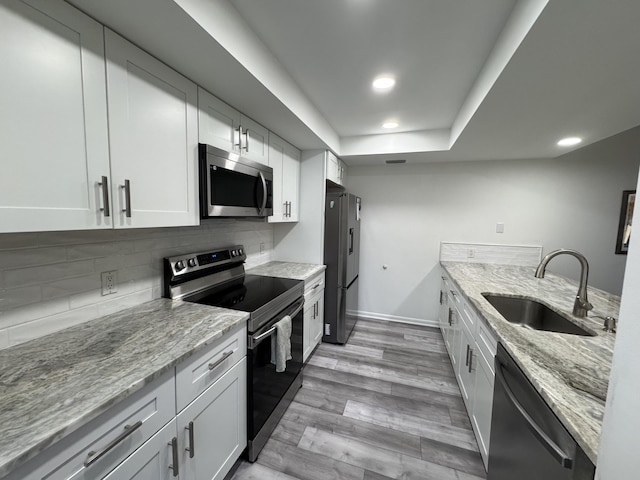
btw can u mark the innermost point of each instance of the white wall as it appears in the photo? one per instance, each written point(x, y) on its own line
point(51, 280)
point(572, 201)
point(618, 456)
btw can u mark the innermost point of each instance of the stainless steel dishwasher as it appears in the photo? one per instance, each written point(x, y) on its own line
point(528, 442)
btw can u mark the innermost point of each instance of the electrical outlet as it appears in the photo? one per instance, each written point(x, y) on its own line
point(471, 252)
point(500, 227)
point(261, 248)
point(109, 282)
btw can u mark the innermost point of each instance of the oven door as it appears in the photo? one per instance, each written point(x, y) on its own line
point(268, 391)
point(231, 186)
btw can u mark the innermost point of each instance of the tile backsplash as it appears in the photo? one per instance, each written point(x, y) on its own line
point(52, 280)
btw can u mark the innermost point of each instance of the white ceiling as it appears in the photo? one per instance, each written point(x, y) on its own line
point(489, 79)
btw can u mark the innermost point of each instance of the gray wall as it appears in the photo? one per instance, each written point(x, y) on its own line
point(572, 201)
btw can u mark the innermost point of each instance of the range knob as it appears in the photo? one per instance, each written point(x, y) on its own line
point(233, 253)
point(179, 265)
point(240, 252)
point(192, 262)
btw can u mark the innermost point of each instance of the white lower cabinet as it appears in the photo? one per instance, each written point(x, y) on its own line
point(313, 315)
point(153, 460)
point(212, 430)
point(472, 348)
point(142, 438)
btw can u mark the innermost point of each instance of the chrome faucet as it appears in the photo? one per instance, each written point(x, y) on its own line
point(581, 305)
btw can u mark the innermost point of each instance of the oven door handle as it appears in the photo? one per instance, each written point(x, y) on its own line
point(254, 341)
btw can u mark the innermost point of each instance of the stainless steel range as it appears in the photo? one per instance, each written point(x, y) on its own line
point(217, 278)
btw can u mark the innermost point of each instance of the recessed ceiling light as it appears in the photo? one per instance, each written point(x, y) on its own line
point(390, 125)
point(569, 141)
point(384, 83)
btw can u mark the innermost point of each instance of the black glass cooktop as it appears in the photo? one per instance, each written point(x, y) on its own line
point(249, 295)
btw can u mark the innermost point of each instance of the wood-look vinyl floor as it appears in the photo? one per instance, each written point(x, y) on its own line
point(384, 406)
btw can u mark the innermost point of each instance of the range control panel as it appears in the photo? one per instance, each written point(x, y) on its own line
point(193, 262)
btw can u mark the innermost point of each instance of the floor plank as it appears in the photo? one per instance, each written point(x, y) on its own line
point(384, 406)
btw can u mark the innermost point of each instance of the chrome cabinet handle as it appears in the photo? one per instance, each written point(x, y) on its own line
point(174, 455)
point(441, 295)
point(450, 317)
point(127, 198)
point(192, 443)
point(225, 355)
point(246, 140)
point(453, 293)
point(316, 286)
point(239, 144)
point(565, 460)
point(128, 430)
point(470, 359)
point(105, 196)
point(466, 363)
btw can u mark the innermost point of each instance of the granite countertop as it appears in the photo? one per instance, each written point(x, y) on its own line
point(53, 385)
point(297, 271)
point(571, 372)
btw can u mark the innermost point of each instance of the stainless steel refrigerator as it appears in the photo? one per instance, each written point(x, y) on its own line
point(341, 256)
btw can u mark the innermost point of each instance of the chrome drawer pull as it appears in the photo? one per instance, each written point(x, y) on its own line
point(225, 355)
point(105, 196)
point(174, 455)
point(466, 363)
point(192, 442)
point(127, 198)
point(128, 430)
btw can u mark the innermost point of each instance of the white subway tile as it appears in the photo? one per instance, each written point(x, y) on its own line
point(97, 250)
point(44, 326)
point(34, 311)
point(70, 286)
point(47, 273)
point(115, 305)
point(17, 297)
point(18, 240)
point(31, 256)
point(121, 261)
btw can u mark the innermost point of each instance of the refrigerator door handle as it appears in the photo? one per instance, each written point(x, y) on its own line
point(350, 241)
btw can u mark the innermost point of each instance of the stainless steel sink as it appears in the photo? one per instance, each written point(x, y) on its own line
point(533, 314)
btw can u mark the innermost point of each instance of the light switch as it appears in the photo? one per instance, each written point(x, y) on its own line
point(499, 227)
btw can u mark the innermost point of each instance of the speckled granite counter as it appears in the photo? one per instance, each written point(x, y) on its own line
point(55, 384)
point(297, 271)
point(571, 372)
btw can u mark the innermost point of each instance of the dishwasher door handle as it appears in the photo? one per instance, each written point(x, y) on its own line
point(557, 452)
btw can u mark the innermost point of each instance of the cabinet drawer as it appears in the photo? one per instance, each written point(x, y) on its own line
point(115, 434)
point(197, 373)
point(313, 285)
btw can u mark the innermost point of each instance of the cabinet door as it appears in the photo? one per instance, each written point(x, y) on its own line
point(219, 123)
point(482, 405)
point(276, 162)
point(152, 461)
point(316, 332)
point(291, 181)
point(255, 141)
point(53, 127)
point(153, 135)
point(214, 427)
point(333, 168)
point(465, 370)
point(307, 322)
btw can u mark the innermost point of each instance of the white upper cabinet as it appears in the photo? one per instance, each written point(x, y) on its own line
point(254, 141)
point(285, 161)
point(53, 122)
point(224, 127)
point(153, 138)
point(336, 169)
point(219, 123)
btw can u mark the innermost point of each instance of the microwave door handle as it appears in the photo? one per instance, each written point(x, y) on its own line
point(264, 193)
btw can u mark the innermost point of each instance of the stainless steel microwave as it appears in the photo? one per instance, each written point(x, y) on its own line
point(232, 186)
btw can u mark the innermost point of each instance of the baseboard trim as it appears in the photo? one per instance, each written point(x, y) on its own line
point(395, 318)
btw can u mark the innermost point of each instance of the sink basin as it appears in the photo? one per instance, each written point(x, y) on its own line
point(532, 314)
